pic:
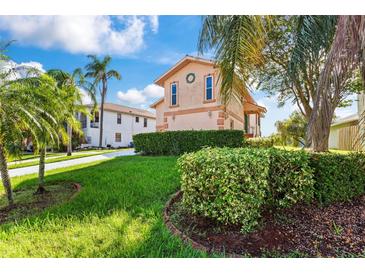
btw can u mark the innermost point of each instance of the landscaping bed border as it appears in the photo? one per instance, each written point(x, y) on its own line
point(185, 238)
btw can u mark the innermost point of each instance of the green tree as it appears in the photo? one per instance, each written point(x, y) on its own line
point(292, 130)
point(71, 84)
point(23, 107)
point(98, 70)
point(285, 54)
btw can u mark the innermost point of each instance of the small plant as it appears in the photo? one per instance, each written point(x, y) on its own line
point(337, 229)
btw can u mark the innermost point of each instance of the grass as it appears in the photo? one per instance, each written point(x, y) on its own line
point(117, 213)
point(62, 157)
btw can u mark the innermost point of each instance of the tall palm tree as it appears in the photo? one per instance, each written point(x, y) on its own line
point(98, 70)
point(71, 84)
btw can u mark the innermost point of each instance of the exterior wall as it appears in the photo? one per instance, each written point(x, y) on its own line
point(361, 112)
point(196, 121)
point(333, 141)
point(192, 111)
point(127, 128)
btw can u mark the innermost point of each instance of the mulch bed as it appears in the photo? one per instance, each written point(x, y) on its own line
point(37, 203)
point(337, 230)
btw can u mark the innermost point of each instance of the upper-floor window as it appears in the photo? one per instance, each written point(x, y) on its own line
point(94, 122)
point(83, 120)
point(137, 119)
point(173, 94)
point(208, 87)
point(145, 122)
point(119, 118)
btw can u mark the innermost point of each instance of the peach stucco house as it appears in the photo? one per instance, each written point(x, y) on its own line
point(191, 101)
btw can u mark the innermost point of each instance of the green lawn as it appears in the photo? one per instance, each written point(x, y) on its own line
point(118, 213)
point(63, 157)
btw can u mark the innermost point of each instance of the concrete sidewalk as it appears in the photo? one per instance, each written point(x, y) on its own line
point(34, 169)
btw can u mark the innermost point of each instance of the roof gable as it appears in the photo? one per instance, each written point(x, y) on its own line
point(179, 65)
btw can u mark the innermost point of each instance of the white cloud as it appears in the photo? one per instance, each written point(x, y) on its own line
point(141, 98)
point(22, 70)
point(154, 23)
point(120, 35)
point(132, 96)
point(85, 97)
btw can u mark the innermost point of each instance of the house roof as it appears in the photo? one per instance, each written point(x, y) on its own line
point(127, 110)
point(179, 65)
point(154, 104)
point(345, 120)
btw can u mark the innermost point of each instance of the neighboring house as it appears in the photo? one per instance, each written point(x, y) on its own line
point(343, 133)
point(191, 101)
point(120, 124)
point(348, 133)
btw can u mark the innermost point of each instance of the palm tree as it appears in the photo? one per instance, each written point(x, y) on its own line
point(23, 107)
point(72, 84)
point(98, 70)
point(240, 43)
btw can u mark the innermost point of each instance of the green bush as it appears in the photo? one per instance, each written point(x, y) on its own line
point(179, 142)
point(260, 142)
point(228, 185)
point(338, 177)
point(290, 178)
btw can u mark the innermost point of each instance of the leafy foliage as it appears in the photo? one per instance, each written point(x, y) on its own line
point(228, 185)
point(292, 131)
point(234, 185)
point(179, 142)
point(260, 142)
point(338, 177)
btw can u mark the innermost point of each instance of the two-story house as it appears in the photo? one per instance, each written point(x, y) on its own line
point(120, 124)
point(191, 101)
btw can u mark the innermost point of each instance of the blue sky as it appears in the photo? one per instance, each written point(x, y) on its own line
point(142, 48)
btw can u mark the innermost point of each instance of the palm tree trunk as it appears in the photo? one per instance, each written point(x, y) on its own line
point(42, 156)
point(5, 176)
point(69, 145)
point(102, 115)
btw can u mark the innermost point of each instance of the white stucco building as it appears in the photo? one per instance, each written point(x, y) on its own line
point(120, 124)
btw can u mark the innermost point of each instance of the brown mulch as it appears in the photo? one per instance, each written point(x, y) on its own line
point(337, 230)
point(36, 203)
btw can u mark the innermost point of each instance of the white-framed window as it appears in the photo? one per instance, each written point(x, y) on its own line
point(119, 118)
point(173, 94)
point(209, 87)
point(137, 119)
point(144, 122)
point(118, 137)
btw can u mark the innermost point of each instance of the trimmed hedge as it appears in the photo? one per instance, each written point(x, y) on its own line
point(290, 178)
point(233, 186)
point(228, 185)
point(179, 142)
point(338, 177)
point(260, 142)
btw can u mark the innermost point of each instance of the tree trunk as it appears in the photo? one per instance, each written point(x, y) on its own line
point(5, 176)
point(41, 182)
point(102, 114)
point(69, 145)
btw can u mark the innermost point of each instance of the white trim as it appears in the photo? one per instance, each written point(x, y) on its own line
point(172, 94)
point(205, 85)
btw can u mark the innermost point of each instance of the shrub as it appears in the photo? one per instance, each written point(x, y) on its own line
point(179, 142)
point(260, 142)
point(290, 178)
point(338, 177)
point(233, 185)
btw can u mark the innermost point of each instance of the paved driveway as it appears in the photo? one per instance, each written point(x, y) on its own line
point(34, 169)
